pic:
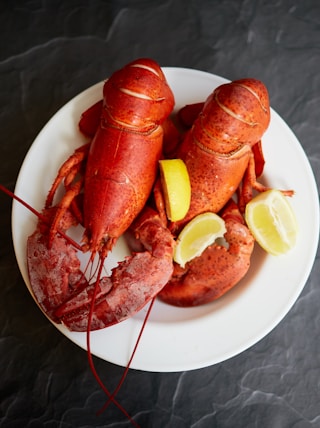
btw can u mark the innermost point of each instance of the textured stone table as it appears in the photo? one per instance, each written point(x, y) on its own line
point(50, 51)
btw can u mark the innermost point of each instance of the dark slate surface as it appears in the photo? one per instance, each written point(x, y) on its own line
point(52, 50)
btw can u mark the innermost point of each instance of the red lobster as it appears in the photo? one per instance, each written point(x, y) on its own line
point(116, 172)
point(223, 155)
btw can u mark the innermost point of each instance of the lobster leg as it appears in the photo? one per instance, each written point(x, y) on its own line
point(90, 119)
point(217, 270)
point(133, 283)
point(259, 160)
point(249, 183)
point(189, 113)
point(68, 170)
point(67, 173)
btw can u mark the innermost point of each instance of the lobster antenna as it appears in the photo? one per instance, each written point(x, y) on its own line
point(111, 397)
point(39, 215)
point(115, 392)
point(24, 203)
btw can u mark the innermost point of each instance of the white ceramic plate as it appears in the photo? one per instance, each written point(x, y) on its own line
point(177, 339)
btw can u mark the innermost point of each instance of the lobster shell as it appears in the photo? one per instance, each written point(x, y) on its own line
point(218, 147)
point(123, 159)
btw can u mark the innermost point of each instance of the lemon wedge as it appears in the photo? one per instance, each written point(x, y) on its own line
point(272, 222)
point(176, 188)
point(197, 235)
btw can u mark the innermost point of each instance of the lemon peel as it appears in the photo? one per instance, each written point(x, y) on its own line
point(176, 188)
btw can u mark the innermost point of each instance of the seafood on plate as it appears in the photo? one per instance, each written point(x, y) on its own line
point(111, 187)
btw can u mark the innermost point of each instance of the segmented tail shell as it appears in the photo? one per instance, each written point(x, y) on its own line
point(137, 96)
point(235, 114)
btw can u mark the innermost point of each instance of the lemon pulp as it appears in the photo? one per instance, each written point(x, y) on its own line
point(272, 222)
point(197, 235)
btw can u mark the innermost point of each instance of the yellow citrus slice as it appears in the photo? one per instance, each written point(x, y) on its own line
point(197, 235)
point(272, 222)
point(176, 188)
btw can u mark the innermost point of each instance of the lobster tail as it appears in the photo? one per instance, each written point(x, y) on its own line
point(235, 114)
point(137, 96)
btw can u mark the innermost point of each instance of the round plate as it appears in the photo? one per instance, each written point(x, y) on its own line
point(177, 339)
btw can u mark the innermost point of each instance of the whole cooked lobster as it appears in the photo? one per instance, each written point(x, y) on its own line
point(223, 154)
point(107, 183)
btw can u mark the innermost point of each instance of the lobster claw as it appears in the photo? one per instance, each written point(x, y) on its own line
point(54, 271)
point(132, 284)
point(217, 270)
